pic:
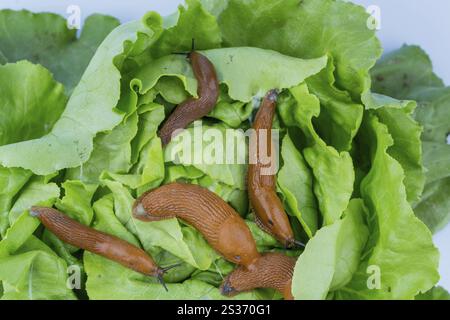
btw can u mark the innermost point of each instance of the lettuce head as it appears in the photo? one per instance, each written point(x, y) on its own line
point(351, 151)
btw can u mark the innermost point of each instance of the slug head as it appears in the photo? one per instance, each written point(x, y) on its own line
point(36, 211)
point(272, 95)
point(160, 278)
point(160, 273)
point(271, 216)
point(292, 243)
point(272, 270)
point(240, 280)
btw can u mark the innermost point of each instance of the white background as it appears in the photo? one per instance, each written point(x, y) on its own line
point(422, 22)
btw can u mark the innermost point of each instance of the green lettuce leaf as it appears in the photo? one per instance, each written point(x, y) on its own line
point(434, 207)
point(43, 38)
point(333, 171)
point(148, 173)
point(76, 202)
point(146, 152)
point(437, 293)
point(180, 31)
point(37, 192)
point(320, 27)
point(150, 117)
point(264, 241)
point(28, 268)
point(296, 184)
point(436, 155)
point(40, 276)
point(401, 72)
point(407, 150)
point(32, 100)
point(331, 256)
point(247, 72)
point(400, 245)
point(12, 181)
point(90, 109)
point(433, 113)
point(18, 234)
point(189, 148)
point(340, 117)
point(250, 72)
point(178, 172)
point(232, 113)
point(154, 72)
point(112, 152)
point(407, 73)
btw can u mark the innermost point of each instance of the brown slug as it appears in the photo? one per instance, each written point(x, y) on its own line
point(272, 270)
point(194, 108)
point(72, 232)
point(269, 211)
point(219, 223)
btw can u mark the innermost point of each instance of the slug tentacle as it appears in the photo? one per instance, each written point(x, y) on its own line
point(215, 219)
point(193, 109)
point(162, 271)
point(272, 270)
point(268, 207)
point(105, 245)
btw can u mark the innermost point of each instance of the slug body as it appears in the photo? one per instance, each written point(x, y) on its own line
point(193, 109)
point(215, 219)
point(269, 212)
point(105, 245)
point(272, 270)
